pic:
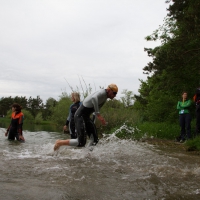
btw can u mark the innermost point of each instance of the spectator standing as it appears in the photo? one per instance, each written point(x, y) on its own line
point(183, 107)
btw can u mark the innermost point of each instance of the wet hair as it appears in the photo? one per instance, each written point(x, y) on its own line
point(76, 96)
point(184, 92)
point(17, 107)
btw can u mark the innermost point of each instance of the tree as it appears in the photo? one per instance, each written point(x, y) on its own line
point(5, 105)
point(175, 63)
point(35, 105)
point(48, 108)
point(22, 101)
point(127, 100)
point(61, 110)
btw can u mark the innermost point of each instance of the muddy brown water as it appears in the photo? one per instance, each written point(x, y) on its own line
point(113, 170)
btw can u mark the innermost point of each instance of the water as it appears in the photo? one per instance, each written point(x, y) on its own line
point(114, 170)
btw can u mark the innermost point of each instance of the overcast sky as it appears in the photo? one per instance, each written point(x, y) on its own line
point(46, 43)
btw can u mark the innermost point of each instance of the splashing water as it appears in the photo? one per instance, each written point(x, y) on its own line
point(114, 169)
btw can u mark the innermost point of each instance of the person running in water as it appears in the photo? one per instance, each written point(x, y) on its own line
point(91, 104)
point(70, 124)
point(15, 128)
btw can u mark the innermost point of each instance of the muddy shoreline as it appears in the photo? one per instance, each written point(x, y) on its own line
point(170, 145)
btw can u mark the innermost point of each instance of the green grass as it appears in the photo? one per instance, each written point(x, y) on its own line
point(154, 130)
point(194, 144)
point(147, 129)
point(7, 121)
point(4, 119)
point(159, 130)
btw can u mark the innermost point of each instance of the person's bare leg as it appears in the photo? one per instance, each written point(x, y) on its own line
point(60, 143)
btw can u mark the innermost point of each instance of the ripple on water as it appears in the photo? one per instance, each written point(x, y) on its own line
point(123, 169)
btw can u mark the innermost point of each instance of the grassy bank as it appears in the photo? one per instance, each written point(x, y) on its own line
point(153, 130)
point(147, 130)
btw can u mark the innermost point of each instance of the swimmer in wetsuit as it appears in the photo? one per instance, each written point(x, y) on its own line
point(75, 97)
point(15, 128)
point(84, 125)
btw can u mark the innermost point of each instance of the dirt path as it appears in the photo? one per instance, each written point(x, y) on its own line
point(171, 145)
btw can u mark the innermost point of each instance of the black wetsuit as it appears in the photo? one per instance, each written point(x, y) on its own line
point(70, 120)
point(15, 128)
point(84, 125)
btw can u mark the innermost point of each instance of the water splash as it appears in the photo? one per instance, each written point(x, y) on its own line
point(125, 168)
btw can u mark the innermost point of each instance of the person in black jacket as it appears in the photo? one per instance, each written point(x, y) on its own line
point(196, 99)
point(70, 124)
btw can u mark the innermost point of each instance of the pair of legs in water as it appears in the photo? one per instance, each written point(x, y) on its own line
point(84, 127)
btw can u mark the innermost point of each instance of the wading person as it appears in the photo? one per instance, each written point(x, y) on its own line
point(196, 99)
point(15, 128)
point(84, 125)
point(70, 124)
point(183, 107)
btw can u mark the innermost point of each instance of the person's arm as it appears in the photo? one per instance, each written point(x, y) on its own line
point(178, 106)
point(95, 104)
point(19, 128)
point(194, 98)
point(187, 104)
point(66, 125)
point(67, 121)
point(96, 98)
point(101, 119)
point(69, 117)
point(6, 133)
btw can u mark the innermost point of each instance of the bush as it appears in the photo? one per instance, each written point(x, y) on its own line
point(117, 115)
point(38, 118)
point(194, 145)
point(27, 115)
point(61, 111)
point(162, 130)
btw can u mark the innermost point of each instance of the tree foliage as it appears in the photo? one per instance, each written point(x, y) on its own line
point(32, 105)
point(175, 63)
point(127, 99)
point(61, 110)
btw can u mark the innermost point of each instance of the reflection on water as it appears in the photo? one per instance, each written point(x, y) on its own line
point(114, 170)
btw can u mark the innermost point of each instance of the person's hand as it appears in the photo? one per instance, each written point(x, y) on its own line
point(64, 128)
point(101, 119)
point(21, 138)
point(6, 133)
